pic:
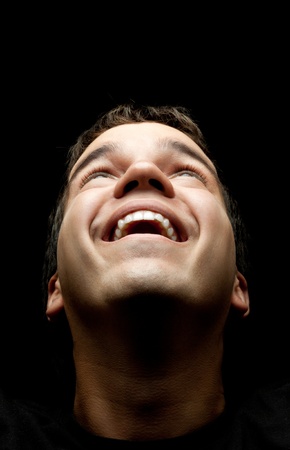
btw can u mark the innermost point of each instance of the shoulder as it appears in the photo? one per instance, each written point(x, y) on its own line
point(264, 417)
point(271, 400)
point(25, 424)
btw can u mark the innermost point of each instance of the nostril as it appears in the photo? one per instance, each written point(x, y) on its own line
point(134, 183)
point(156, 184)
point(131, 185)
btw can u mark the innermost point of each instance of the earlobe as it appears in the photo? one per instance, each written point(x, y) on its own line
point(55, 299)
point(240, 295)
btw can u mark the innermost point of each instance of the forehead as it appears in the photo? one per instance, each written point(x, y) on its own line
point(145, 136)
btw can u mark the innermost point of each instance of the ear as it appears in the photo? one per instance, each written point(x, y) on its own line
point(55, 299)
point(240, 295)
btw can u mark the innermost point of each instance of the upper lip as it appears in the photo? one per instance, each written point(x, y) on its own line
point(134, 206)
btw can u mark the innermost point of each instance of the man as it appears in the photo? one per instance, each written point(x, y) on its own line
point(145, 260)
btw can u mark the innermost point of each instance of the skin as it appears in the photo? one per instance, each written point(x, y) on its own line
point(146, 313)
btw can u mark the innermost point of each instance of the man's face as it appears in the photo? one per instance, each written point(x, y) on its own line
point(145, 215)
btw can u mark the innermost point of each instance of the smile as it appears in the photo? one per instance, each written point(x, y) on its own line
point(144, 221)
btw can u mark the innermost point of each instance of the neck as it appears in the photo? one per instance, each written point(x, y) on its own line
point(147, 379)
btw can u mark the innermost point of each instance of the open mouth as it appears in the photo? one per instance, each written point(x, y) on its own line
point(144, 221)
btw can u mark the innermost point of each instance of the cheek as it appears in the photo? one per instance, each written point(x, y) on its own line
point(209, 211)
point(73, 256)
point(74, 237)
point(82, 210)
point(216, 233)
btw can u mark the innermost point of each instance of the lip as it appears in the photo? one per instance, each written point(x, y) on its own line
point(137, 205)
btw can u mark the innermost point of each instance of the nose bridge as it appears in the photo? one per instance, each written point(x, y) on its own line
point(144, 174)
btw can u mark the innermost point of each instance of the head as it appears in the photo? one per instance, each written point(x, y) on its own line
point(176, 117)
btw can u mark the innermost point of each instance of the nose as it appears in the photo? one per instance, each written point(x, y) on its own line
point(144, 175)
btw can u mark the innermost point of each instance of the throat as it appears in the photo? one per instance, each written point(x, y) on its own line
point(143, 227)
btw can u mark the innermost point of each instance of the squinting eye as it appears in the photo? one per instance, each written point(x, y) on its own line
point(99, 175)
point(188, 174)
point(94, 174)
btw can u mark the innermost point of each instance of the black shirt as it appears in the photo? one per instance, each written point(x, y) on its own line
point(262, 422)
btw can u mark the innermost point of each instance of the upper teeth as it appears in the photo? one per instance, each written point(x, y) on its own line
point(123, 224)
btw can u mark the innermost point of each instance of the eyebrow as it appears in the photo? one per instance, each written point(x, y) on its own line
point(93, 156)
point(185, 149)
point(107, 148)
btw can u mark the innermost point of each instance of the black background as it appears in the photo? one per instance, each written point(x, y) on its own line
point(237, 89)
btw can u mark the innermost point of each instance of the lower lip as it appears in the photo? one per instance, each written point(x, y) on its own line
point(145, 236)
